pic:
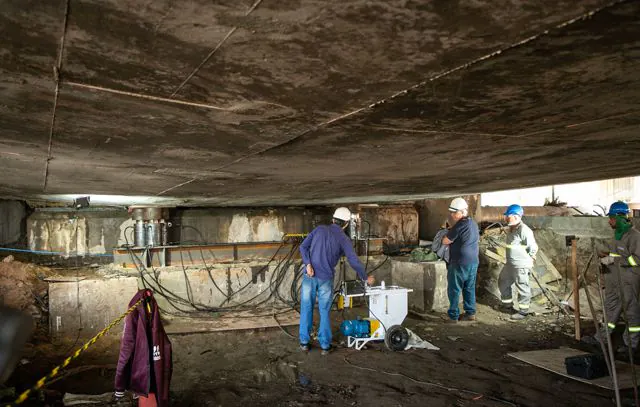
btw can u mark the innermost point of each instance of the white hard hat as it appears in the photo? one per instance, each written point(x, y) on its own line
point(342, 213)
point(458, 204)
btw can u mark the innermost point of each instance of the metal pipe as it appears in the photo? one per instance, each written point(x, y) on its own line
point(139, 234)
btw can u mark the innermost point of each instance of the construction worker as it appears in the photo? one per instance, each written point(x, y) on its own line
point(463, 238)
point(521, 255)
point(622, 264)
point(321, 250)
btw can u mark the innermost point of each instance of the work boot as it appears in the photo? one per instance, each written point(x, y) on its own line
point(519, 316)
point(624, 350)
point(304, 347)
point(468, 317)
point(506, 308)
point(325, 352)
point(450, 321)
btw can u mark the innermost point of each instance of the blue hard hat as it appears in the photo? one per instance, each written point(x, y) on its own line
point(618, 208)
point(514, 210)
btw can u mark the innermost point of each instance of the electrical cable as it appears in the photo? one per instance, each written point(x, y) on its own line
point(178, 302)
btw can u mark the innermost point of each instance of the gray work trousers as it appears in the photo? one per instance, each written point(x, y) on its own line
point(613, 301)
point(519, 276)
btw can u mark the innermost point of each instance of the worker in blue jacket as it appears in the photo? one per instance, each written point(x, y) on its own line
point(321, 250)
point(463, 239)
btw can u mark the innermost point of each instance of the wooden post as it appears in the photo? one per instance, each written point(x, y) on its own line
point(576, 287)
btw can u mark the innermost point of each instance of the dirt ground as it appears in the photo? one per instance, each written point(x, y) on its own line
point(265, 368)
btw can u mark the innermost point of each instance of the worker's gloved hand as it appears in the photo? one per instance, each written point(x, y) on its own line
point(606, 260)
point(310, 271)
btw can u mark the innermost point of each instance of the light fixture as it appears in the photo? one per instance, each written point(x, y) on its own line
point(82, 202)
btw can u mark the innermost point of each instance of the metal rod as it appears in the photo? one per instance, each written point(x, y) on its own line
point(576, 298)
point(630, 348)
point(614, 373)
point(595, 320)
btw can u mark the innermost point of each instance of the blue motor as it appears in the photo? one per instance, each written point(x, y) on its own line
point(356, 328)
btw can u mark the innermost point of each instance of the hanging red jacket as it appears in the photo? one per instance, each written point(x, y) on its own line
point(145, 363)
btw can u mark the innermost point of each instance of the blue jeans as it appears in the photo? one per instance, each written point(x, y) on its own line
point(461, 278)
point(324, 290)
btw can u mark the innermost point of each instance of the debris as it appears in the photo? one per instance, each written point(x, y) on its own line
point(83, 399)
point(24, 362)
point(418, 343)
point(303, 380)
point(8, 259)
point(454, 338)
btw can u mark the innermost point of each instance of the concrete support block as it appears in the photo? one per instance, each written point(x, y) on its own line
point(88, 305)
point(428, 281)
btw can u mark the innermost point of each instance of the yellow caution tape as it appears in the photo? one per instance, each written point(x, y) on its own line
point(41, 383)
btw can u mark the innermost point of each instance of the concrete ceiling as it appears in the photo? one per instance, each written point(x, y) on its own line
point(315, 101)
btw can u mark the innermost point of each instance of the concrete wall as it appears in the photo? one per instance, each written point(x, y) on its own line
point(88, 306)
point(82, 232)
point(13, 228)
point(98, 231)
point(398, 224)
point(433, 214)
point(495, 213)
point(229, 225)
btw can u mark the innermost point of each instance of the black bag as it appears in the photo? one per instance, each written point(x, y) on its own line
point(587, 366)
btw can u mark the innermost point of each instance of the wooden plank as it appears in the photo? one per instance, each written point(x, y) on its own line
point(552, 272)
point(232, 321)
point(495, 256)
point(553, 361)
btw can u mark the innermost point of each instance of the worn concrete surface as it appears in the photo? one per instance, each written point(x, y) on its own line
point(88, 232)
point(397, 224)
point(86, 307)
point(428, 281)
point(77, 233)
point(307, 101)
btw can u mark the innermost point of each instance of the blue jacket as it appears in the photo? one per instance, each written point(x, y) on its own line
point(323, 248)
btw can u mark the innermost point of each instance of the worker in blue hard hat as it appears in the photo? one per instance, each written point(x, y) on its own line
point(622, 264)
point(521, 255)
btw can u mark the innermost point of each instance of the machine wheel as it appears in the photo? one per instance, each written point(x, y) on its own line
point(396, 338)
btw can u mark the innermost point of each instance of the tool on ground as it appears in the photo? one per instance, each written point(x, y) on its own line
point(387, 310)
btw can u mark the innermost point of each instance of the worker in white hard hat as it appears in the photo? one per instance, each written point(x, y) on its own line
point(463, 238)
point(321, 250)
